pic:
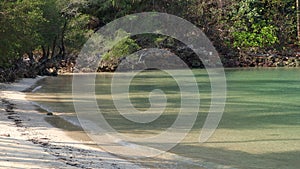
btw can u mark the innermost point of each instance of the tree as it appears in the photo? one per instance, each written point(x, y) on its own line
point(19, 28)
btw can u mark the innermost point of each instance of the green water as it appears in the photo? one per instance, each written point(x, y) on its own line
point(260, 127)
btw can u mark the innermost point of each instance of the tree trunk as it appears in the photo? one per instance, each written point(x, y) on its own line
point(30, 54)
point(44, 52)
point(220, 4)
point(298, 20)
point(48, 51)
point(63, 52)
point(53, 46)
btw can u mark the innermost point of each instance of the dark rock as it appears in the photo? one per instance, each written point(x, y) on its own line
point(49, 114)
point(5, 135)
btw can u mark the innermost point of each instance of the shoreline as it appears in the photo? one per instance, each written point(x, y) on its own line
point(73, 129)
point(163, 160)
point(71, 147)
point(29, 141)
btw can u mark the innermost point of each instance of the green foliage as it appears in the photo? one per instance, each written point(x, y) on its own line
point(27, 25)
point(259, 25)
point(250, 29)
point(258, 36)
point(76, 33)
point(19, 28)
point(282, 13)
point(124, 47)
point(51, 28)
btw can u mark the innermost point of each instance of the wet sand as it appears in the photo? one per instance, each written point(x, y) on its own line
point(27, 140)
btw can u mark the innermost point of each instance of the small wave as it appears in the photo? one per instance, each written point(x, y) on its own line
point(36, 89)
point(48, 110)
point(71, 119)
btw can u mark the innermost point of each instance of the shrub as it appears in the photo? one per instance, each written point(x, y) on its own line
point(125, 47)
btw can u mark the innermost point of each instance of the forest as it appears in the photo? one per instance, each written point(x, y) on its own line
point(44, 37)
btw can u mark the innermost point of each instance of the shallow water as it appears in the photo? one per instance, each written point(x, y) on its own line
point(260, 127)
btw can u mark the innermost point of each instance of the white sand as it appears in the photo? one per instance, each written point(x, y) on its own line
point(28, 141)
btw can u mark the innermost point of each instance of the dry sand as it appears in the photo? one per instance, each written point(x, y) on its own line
point(28, 141)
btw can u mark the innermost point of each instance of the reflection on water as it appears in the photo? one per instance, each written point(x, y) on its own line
point(260, 127)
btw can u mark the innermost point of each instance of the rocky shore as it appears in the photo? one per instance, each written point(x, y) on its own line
point(265, 60)
point(37, 66)
point(183, 57)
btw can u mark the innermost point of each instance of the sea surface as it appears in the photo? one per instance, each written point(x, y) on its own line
point(260, 127)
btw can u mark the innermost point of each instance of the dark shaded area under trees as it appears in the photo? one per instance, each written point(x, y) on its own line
point(43, 37)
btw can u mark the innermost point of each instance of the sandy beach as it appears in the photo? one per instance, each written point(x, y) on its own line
point(28, 141)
